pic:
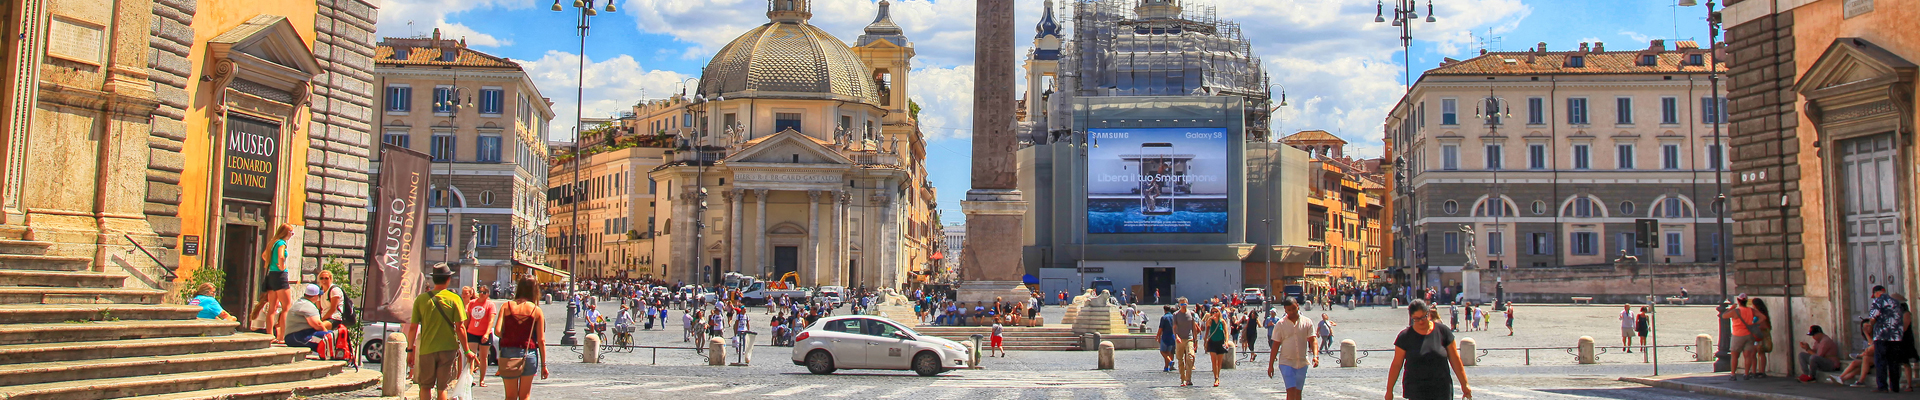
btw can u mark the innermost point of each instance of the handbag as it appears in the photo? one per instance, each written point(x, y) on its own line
point(515, 366)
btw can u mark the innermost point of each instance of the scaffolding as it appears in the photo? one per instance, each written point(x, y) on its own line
point(1159, 48)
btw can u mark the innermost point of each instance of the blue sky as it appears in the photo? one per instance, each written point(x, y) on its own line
point(1341, 71)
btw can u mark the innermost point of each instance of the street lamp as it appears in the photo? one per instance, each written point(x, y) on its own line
point(1405, 13)
point(584, 26)
point(1086, 144)
point(1492, 111)
point(1719, 175)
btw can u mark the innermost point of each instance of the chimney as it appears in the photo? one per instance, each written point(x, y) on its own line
point(1542, 48)
point(1658, 45)
point(1583, 47)
point(1599, 47)
point(1483, 52)
point(436, 35)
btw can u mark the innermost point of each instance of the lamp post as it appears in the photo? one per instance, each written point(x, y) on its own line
point(1087, 143)
point(584, 26)
point(1719, 176)
point(451, 101)
point(1492, 111)
point(1405, 13)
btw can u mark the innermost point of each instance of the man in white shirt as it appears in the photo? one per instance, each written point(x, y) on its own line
point(1293, 340)
point(1626, 326)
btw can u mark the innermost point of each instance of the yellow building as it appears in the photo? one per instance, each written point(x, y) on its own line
point(1344, 212)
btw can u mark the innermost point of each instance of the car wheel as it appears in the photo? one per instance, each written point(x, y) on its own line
point(373, 351)
point(926, 364)
point(820, 363)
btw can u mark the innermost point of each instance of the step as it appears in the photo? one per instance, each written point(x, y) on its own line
point(11, 246)
point(44, 262)
point(51, 313)
point(46, 295)
point(68, 351)
point(90, 389)
point(15, 232)
point(338, 383)
point(111, 330)
point(15, 277)
point(57, 371)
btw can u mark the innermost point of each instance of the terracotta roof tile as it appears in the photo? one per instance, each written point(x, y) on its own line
point(1612, 62)
point(432, 56)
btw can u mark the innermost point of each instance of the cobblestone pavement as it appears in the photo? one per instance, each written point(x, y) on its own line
point(683, 374)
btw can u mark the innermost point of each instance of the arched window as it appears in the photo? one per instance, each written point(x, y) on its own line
point(1486, 207)
point(1583, 206)
point(1673, 206)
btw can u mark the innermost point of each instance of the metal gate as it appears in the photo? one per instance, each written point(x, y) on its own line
point(1869, 189)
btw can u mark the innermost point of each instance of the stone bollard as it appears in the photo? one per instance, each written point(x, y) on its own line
point(1350, 304)
point(1469, 356)
point(393, 373)
point(1348, 358)
point(1703, 348)
point(716, 352)
point(590, 349)
point(1106, 355)
point(1227, 361)
point(1396, 303)
point(973, 354)
point(1586, 355)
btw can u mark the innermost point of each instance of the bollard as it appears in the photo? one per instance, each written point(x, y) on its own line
point(393, 374)
point(1703, 348)
point(973, 354)
point(1347, 354)
point(590, 349)
point(1227, 361)
point(1586, 355)
point(1350, 304)
point(1106, 355)
point(1396, 303)
point(716, 352)
point(1469, 356)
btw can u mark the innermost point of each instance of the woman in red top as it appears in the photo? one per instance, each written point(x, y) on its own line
point(523, 334)
point(480, 321)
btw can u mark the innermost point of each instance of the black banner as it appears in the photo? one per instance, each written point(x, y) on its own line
point(396, 273)
point(252, 160)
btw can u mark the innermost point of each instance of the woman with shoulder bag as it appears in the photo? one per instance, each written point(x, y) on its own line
point(522, 332)
point(1761, 327)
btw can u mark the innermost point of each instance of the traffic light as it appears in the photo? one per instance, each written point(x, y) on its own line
point(1646, 233)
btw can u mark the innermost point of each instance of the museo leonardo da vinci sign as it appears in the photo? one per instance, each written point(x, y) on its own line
point(396, 273)
point(1157, 180)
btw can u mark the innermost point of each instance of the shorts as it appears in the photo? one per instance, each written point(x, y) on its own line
point(1295, 378)
point(1626, 331)
point(1740, 344)
point(435, 370)
point(1642, 332)
point(472, 338)
point(275, 280)
point(533, 360)
point(995, 342)
point(1217, 347)
point(1166, 346)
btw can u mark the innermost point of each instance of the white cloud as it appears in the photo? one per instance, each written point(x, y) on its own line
point(409, 18)
point(945, 96)
point(473, 37)
point(612, 86)
point(1636, 36)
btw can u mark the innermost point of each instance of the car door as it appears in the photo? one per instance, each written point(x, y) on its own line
point(847, 341)
point(885, 348)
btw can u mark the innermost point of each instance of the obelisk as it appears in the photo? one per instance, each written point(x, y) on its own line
point(992, 266)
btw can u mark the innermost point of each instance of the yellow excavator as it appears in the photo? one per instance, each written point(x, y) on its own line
point(783, 284)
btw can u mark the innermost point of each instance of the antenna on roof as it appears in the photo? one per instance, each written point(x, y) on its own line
point(1486, 43)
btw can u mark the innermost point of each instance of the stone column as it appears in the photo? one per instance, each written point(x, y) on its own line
point(759, 235)
point(813, 234)
point(841, 213)
point(734, 199)
point(991, 263)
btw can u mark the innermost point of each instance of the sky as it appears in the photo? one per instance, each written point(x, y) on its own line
point(1341, 71)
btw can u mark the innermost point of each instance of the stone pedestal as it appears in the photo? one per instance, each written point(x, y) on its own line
point(1098, 315)
point(1586, 354)
point(1106, 355)
point(1470, 284)
point(986, 291)
point(1469, 352)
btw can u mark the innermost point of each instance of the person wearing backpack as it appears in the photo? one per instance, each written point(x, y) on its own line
point(335, 309)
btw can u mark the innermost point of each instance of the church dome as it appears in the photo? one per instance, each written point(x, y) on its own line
point(789, 59)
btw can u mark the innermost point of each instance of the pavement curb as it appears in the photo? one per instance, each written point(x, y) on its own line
point(1712, 390)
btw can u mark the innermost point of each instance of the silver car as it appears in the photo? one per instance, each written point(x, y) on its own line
point(869, 342)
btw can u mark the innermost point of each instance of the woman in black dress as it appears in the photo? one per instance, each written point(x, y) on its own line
point(1427, 352)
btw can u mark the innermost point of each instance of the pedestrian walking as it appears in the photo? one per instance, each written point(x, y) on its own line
point(433, 338)
point(522, 328)
point(1641, 325)
point(1889, 326)
point(1426, 353)
point(995, 341)
point(1293, 338)
point(1626, 326)
point(1509, 318)
point(1250, 334)
point(1165, 333)
point(273, 287)
point(1218, 348)
point(1184, 326)
point(1325, 331)
point(480, 322)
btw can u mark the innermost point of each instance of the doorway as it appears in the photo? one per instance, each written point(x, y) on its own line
point(853, 276)
point(1157, 280)
point(785, 259)
point(237, 254)
point(1871, 211)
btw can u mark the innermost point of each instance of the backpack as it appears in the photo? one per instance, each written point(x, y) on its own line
point(347, 315)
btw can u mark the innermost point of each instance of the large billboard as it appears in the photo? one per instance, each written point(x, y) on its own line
point(1157, 180)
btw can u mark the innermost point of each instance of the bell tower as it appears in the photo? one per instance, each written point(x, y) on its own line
point(885, 50)
point(1043, 64)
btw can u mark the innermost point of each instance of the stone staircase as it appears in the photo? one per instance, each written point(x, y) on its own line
point(69, 333)
point(1047, 338)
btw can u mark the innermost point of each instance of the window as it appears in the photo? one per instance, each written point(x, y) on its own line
point(489, 149)
point(1450, 157)
point(1626, 207)
point(438, 235)
point(1536, 111)
point(1449, 112)
point(1669, 110)
point(1672, 207)
point(785, 121)
point(1623, 156)
point(490, 99)
point(1584, 243)
point(1716, 246)
point(846, 123)
point(1450, 207)
point(1624, 243)
point(1714, 157)
point(1623, 108)
point(1649, 60)
point(1696, 59)
point(1577, 111)
point(1539, 207)
point(1495, 246)
point(1670, 156)
point(443, 146)
point(1453, 242)
point(1577, 62)
point(1673, 244)
point(486, 197)
point(1582, 156)
point(399, 98)
point(441, 198)
point(1536, 156)
point(653, 186)
point(1494, 161)
point(1582, 207)
point(1712, 111)
point(1541, 244)
point(443, 99)
point(486, 235)
point(399, 139)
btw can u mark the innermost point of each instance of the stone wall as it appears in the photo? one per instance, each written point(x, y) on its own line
point(340, 132)
point(171, 42)
point(1764, 120)
point(1607, 284)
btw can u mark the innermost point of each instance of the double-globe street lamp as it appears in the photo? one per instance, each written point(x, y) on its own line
point(585, 25)
point(1405, 13)
point(1721, 356)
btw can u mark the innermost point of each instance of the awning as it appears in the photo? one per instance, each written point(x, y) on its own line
point(548, 273)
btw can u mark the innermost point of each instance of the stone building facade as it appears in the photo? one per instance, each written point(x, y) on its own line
point(484, 124)
point(1550, 156)
point(1823, 120)
point(1345, 216)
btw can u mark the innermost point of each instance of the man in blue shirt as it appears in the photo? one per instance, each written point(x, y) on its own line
point(1166, 337)
point(1888, 327)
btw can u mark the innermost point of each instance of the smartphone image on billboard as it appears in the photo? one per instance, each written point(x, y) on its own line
point(1156, 178)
